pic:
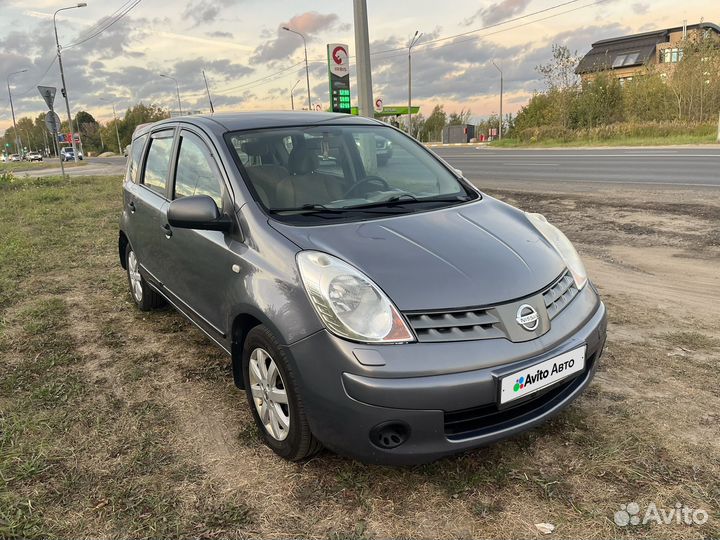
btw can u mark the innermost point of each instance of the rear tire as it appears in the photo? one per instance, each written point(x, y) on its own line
point(272, 391)
point(144, 296)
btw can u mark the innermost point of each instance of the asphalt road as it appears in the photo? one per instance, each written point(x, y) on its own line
point(569, 169)
point(678, 167)
point(90, 167)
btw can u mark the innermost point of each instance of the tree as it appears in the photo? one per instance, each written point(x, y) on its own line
point(561, 81)
point(89, 131)
point(599, 103)
point(695, 80)
point(559, 73)
point(432, 130)
point(458, 119)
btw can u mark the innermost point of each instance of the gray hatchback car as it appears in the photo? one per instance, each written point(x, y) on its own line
point(387, 310)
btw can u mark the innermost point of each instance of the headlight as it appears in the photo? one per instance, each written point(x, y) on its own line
point(563, 246)
point(348, 302)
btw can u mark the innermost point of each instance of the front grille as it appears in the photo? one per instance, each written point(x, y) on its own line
point(560, 294)
point(486, 419)
point(484, 322)
point(455, 326)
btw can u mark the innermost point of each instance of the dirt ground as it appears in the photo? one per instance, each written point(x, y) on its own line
point(121, 424)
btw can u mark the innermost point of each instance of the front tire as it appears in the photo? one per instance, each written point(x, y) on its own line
point(274, 397)
point(145, 297)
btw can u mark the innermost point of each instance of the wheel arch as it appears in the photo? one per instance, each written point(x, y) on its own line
point(241, 326)
point(123, 242)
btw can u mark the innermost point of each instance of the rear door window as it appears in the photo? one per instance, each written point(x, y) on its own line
point(157, 165)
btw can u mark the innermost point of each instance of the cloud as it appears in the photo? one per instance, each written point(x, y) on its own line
point(220, 34)
point(205, 11)
point(116, 40)
point(498, 12)
point(284, 43)
point(640, 8)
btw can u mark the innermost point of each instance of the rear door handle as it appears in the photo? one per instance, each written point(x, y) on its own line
point(167, 230)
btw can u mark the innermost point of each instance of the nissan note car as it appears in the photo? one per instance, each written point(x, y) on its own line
point(393, 314)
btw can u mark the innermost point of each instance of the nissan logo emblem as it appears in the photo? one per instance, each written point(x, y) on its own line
point(527, 317)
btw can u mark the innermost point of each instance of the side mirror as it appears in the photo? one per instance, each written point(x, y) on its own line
point(197, 212)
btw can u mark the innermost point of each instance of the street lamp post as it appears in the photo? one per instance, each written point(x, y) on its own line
point(62, 76)
point(177, 89)
point(12, 110)
point(307, 69)
point(413, 42)
point(292, 95)
point(500, 128)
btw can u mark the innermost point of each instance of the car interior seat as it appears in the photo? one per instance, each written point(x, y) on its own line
point(305, 184)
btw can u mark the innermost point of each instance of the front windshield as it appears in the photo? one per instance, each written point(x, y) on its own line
point(343, 171)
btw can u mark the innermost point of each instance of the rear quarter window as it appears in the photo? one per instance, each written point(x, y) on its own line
point(133, 167)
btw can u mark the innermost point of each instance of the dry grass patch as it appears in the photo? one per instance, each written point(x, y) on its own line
point(116, 423)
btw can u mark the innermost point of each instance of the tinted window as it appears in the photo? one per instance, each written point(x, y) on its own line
point(134, 161)
point(196, 173)
point(157, 165)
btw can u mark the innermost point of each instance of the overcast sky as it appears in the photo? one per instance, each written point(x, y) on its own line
point(251, 63)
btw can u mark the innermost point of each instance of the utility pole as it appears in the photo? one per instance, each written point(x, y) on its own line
point(501, 84)
point(177, 89)
point(413, 41)
point(362, 48)
point(718, 137)
point(12, 110)
point(307, 69)
point(292, 95)
point(207, 88)
point(117, 132)
point(62, 77)
point(500, 129)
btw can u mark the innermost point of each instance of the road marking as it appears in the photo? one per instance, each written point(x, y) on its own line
point(649, 183)
point(531, 164)
point(554, 156)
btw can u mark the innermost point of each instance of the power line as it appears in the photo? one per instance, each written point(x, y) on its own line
point(47, 70)
point(127, 10)
point(489, 33)
point(102, 21)
point(446, 38)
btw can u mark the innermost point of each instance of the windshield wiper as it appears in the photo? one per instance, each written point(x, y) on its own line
point(307, 209)
point(407, 198)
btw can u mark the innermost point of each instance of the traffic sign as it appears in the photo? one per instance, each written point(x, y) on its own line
point(52, 122)
point(48, 94)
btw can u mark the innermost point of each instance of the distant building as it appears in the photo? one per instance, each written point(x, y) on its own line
point(627, 56)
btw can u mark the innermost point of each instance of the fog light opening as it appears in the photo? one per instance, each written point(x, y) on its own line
point(389, 435)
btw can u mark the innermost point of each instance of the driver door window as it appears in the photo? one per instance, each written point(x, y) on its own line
point(196, 172)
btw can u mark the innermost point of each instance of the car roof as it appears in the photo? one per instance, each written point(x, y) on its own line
point(223, 122)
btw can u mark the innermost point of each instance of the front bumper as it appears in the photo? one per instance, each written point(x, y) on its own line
point(443, 395)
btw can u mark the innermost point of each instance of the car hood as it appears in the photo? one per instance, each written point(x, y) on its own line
point(476, 254)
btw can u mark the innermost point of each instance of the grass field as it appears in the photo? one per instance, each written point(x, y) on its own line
point(20, 166)
point(121, 424)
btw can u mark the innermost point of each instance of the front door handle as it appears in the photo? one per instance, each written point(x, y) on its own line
point(167, 230)
point(131, 206)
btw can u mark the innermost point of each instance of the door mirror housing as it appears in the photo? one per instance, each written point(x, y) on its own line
point(197, 212)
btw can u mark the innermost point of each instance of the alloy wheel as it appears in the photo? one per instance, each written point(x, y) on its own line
point(135, 278)
point(269, 394)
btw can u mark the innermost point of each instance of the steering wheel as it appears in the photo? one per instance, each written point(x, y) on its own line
point(376, 180)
